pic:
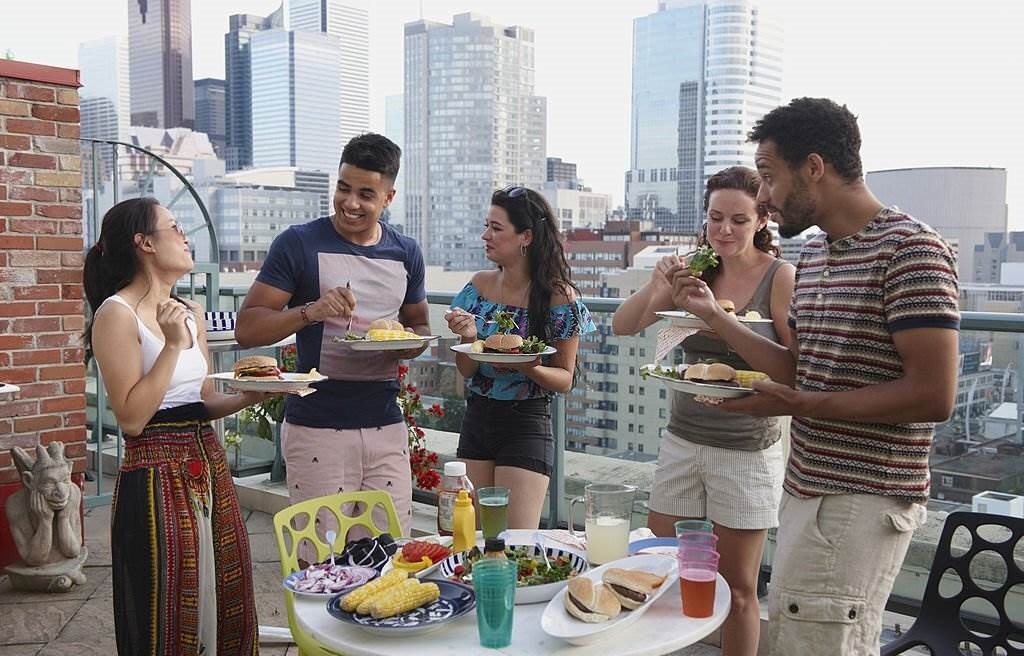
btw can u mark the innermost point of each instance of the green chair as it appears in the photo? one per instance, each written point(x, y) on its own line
point(289, 538)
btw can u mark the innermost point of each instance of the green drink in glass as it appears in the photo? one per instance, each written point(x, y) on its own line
point(493, 510)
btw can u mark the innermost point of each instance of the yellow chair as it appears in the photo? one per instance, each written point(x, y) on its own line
point(289, 537)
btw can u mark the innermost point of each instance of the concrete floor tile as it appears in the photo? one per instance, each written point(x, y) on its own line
point(270, 610)
point(93, 624)
point(21, 650)
point(266, 577)
point(263, 548)
point(37, 621)
point(259, 522)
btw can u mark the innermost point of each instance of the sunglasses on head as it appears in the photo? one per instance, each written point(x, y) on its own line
point(515, 191)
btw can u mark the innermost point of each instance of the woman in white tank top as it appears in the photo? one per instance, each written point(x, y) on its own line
point(177, 532)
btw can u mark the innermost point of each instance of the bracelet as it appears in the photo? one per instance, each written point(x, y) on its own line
point(305, 317)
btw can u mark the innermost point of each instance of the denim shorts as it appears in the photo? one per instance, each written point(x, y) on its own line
point(511, 433)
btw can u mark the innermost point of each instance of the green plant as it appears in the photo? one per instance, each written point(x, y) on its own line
point(421, 459)
point(260, 415)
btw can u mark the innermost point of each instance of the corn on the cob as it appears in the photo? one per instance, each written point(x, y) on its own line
point(352, 600)
point(382, 334)
point(406, 599)
point(367, 605)
point(745, 378)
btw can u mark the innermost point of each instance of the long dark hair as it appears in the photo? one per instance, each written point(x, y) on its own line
point(113, 261)
point(549, 268)
point(748, 181)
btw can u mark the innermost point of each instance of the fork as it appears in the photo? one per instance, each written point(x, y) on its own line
point(537, 541)
point(486, 321)
point(348, 328)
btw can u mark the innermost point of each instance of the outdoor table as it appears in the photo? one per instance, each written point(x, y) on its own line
point(661, 630)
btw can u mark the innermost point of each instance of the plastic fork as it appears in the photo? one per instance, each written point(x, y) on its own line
point(538, 542)
point(331, 537)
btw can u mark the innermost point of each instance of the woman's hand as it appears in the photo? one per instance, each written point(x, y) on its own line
point(461, 323)
point(666, 269)
point(693, 295)
point(170, 316)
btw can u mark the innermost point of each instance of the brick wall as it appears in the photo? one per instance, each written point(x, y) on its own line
point(41, 254)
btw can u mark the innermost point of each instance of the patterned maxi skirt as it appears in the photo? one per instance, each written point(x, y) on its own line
point(182, 573)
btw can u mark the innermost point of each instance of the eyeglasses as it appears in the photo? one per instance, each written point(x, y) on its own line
point(176, 227)
point(515, 191)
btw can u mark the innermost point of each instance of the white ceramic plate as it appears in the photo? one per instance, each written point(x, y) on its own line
point(500, 358)
point(357, 576)
point(445, 540)
point(387, 344)
point(290, 382)
point(703, 389)
point(527, 594)
point(557, 622)
point(687, 320)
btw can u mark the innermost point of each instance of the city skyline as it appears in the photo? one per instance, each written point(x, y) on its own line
point(932, 84)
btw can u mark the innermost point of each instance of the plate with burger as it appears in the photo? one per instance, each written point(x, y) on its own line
point(260, 373)
point(504, 348)
point(711, 379)
point(683, 319)
point(609, 598)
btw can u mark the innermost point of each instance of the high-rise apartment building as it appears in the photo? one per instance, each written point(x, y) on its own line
point(349, 20)
point(296, 99)
point(562, 173)
point(160, 63)
point(210, 112)
point(238, 84)
point(472, 125)
point(105, 100)
point(704, 71)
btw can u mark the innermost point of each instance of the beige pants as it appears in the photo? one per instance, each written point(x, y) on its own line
point(322, 461)
point(836, 559)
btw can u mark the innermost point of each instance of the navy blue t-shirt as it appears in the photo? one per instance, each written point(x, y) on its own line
point(309, 259)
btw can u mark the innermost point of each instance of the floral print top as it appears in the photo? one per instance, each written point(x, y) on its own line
point(564, 321)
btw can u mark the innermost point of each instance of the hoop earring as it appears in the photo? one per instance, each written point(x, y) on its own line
point(522, 249)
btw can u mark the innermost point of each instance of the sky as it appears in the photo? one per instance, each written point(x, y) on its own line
point(934, 83)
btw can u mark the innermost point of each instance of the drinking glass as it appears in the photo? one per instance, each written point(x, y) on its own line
point(697, 574)
point(693, 525)
point(494, 582)
point(493, 510)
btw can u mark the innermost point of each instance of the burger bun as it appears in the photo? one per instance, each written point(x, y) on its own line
point(503, 343)
point(590, 602)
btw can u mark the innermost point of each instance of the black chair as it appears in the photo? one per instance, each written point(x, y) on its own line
point(940, 624)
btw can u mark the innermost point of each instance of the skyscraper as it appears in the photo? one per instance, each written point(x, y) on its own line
point(296, 100)
point(238, 84)
point(472, 125)
point(704, 71)
point(105, 99)
point(160, 63)
point(349, 20)
point(210, 112)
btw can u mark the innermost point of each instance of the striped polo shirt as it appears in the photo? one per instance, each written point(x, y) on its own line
point(851, 295)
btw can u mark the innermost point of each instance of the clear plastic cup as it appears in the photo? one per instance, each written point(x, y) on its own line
point(493, 510)
point(693, 525)
point(697, 581)
point(494, 582)
point(698, 540)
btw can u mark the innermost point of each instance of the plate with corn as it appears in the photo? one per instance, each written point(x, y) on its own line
point(399, 605)
point(385, 339)
point(708, 380)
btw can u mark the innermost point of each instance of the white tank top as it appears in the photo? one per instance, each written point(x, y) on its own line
point(190, 370)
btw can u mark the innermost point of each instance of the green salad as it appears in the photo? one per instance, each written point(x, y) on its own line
point(532, 568)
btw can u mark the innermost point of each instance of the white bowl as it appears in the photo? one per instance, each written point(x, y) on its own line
point(529, 594)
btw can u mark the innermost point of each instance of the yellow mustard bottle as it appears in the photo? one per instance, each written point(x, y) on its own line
point(463, 523)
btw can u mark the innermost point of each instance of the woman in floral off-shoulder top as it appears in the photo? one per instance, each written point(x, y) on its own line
point(506, 436)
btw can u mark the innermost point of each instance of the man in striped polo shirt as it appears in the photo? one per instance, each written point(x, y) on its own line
point(874, 365)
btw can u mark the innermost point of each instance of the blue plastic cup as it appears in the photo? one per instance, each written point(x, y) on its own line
point(494, 582)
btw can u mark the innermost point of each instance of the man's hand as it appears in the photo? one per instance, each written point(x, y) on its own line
point(772, 400)
point(337, 302)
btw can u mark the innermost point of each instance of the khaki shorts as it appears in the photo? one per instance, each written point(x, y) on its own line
point(836, 559)
point(737, 489)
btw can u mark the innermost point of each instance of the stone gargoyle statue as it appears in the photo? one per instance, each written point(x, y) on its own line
point(46, 522)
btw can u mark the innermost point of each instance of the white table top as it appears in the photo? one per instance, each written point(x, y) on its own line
point(662, 629)
point(7, 391)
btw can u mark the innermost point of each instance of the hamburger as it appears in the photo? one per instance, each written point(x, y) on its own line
point(727, 305)
point(590, 602)
point(257, 366)
point(632, 587)
point(503, 343)
point(715, 373)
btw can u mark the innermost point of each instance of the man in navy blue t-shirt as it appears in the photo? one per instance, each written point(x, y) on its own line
point(349, 435)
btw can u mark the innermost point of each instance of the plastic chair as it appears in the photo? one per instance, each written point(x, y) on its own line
point(939, 625)
point(289, 538)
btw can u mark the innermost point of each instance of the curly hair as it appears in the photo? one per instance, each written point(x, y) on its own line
point(813, 125)
point(373, 152)
point(549, 267)
point(748, 181)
